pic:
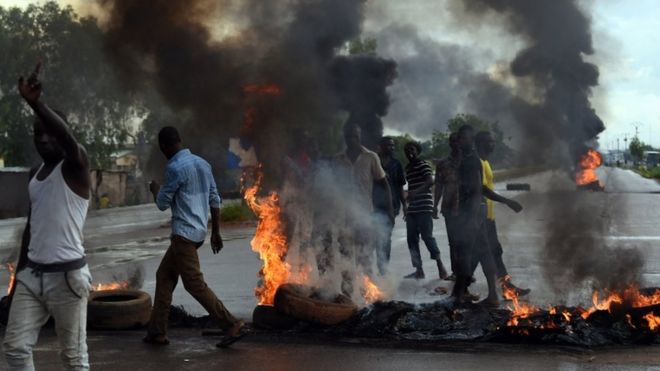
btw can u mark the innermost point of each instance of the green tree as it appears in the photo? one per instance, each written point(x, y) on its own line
point(399, 142)
point(77, 77)
point(637, 148)
point(502, 151)
point(439, 145)
point(454, 123)
point(363, 46)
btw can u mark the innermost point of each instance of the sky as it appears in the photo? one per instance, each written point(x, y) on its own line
point(626, 45)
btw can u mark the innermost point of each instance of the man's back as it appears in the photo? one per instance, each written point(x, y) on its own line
point(191, 191)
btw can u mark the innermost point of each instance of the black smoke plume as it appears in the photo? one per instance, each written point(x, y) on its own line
point(169, 45)
point(560, 114)
point(558, 125)
point(361, 84)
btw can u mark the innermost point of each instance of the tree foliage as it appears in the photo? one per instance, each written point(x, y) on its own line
point(437, 147)
point(502, 151)
point(77, 78)
point(363, 46)
point(637, 148)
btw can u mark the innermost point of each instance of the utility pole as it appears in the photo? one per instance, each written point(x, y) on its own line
point(636, 125)
point(625, 148)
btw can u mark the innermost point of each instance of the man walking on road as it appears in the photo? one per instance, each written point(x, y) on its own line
point(57, 280)
point(419, 218)
point(485, 145)
point(472, 242)
point(190, 191)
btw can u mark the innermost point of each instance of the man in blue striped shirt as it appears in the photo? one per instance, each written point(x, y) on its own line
point(191, 192)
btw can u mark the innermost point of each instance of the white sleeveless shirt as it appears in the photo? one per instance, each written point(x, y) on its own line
point(57, 219)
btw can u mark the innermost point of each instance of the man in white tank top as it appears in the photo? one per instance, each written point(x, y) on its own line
point(52, 276)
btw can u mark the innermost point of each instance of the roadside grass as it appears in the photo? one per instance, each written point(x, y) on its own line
point(649, 173)
point(236, 211)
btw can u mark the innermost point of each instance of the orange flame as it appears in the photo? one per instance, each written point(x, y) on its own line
point(371, 292)
point(12, 278)
point(110, 286)
point(269, 242)
point(588, 164)
point(519, 310)
point(630, 297)
point(653, 321)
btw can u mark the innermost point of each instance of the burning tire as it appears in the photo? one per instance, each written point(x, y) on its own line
point(118, 309)
point(268, 317)
point(294, 300)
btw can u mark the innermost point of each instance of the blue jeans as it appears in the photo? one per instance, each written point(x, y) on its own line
point(421, 224)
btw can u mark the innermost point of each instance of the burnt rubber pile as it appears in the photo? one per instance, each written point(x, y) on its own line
point(441, 322)
point(629, 317)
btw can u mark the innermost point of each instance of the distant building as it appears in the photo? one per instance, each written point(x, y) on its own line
point(124, 160)
point(651, 159)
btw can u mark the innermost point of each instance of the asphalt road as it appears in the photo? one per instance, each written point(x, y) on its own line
point(121, 241)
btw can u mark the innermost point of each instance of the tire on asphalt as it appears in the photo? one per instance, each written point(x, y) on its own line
point(118, 309)
point(268, 317)
point(293, 300)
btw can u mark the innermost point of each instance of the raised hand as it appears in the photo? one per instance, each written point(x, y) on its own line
point(31, 90)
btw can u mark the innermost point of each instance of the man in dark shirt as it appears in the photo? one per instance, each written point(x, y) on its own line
point(397, 179)
point(446, 189)
point(472, 240)
point(419, 216)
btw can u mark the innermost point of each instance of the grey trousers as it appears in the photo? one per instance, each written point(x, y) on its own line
point(39, 296)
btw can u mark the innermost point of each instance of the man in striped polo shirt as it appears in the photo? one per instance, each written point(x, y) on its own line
point(419, 216)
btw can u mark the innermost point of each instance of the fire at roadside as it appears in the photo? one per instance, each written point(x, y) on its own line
point(625, 316)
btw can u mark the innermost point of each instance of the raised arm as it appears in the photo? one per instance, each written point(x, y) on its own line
point(54, 125)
